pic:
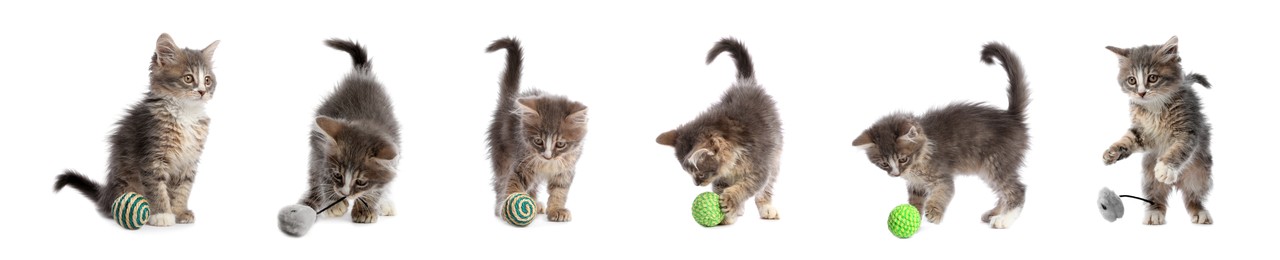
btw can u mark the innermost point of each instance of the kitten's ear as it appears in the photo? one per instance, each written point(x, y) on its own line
point(1169, 50)
point(578, 118)
point(207, 52)
point(388, 152)
point(527, 107)
point(1123, 53)
point(668, 138)
point(863, 141)
point(166, 51)
point(912, 134)
point(696, 156)
point(328, 126)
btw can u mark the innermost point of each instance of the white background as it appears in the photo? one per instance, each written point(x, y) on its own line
point(71, 69)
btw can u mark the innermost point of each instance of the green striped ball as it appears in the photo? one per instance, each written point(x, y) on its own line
point(706, 209)
point(131, 211)
point(904, 221)
point(519, 209)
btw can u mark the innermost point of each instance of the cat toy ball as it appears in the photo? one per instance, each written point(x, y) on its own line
point(904, 221)
point(706, 209)
point(1111, 206)
point(519, 209)
point(296, 220)
point(131, 210)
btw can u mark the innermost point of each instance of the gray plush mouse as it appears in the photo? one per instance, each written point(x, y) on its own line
point(296, 220)
point(1111, 206)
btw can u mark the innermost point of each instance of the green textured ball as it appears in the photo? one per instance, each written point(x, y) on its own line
point(706, 209)
point(131, 211)
point(519, 209)
point(904, 221)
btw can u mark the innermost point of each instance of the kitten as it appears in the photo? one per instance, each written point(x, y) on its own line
point(961, 138)
point(355, 143)
point(1168, 126)
point(155, 148)
point(534, 138)
point(735, 145)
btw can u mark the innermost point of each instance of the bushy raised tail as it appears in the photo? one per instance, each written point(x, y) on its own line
point(359, 57)
point(1019, 96)
point(1198, 78)
point(746, 70)
point(515, 63)
point(89, 188)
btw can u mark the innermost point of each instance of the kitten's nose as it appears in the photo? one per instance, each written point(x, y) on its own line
point(201, 92)
point(1142, 94)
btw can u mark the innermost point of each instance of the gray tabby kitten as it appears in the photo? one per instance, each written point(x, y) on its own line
point(736, 144)
point(354, 145)
point(535, 137)
point(1168, 126)
point(155, 148)
point(961, 138)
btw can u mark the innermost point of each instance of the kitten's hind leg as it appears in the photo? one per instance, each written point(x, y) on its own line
point(1156, 191)
point(1195, 186)
point(1012, 193)
point(764, 202)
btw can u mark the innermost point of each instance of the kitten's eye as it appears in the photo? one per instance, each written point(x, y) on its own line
point(537, 141)
point(361, 183)
point(559, 145)
point(188, 79)
point(904, 160)
point(1133, 81)
point(208, 80)
point(1152, 78)
point(882, 165)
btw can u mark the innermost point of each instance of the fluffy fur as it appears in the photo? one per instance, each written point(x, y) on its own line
point(735, 145)
point(355, 143)
point(961, 138)
point(1168, 126)
point(155, 148)
point(534, 138)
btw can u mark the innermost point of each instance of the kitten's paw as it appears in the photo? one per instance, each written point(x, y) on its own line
point(185, 217)
point(337, 210)
point(729, 220)
point(161, 219)
point(1006, 219)
point(1165, 173)
point(986, 218)
point(933, 214)
point(768, 212)
point(364, 217)
point(1154, 217)
point(1202, 218)
point(386, 208)
point(1115, 154)
point(541, 208)
point(559, 215)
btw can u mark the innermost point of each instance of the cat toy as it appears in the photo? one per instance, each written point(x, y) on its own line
point(131, 210)
point(706, 209)
point(296, 220)
point(519, 209)
point(1111, 206)
point(904, 221)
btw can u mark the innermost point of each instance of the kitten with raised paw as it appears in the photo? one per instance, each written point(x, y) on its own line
point(1168, 126)
point(929, 150)
point(355, 143)
point(156, 146)
point(736, 144)
point(535, 138)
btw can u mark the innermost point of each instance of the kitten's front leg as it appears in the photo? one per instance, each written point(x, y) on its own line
point(731, 200)
point(180, 191)
point(940, 193)
point(157, 193)
point(365, 209)
point(1129, 144)
point(916, 195)
point(558, 188)
point(1169, 166)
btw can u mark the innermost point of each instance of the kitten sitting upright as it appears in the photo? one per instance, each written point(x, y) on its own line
point(535, 137)
point(961, 138)
point(1168, 125)
point(736, 144)
point(156, 146)
point(354, 145)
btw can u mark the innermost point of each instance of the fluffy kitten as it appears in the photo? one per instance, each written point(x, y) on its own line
point(961, 138)
point(736, 144)
point(354, 145)
point(155, 148)
point(1168, 126)
point(535, 137)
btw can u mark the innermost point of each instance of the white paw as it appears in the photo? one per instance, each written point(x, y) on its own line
point(162, 219)
point(1154, 217)
point(386, 207)
point(768, 212)
point(1165, 174)
point(1006, 219)
point(1202, 218)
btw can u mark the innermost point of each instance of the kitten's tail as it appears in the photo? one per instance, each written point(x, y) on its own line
point(86, 186)
point(1018, 93)
point(1198, 78)
point(515, 63)
point(739, 53)
point(359, 57)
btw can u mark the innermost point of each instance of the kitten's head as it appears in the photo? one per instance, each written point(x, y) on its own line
point(895, 143)
point(702, 150)
point(551, 125)
point(358, 157)
point(181, 73)
point(1149, 73)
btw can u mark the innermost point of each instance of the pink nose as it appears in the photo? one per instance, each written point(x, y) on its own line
point(1140, 94)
